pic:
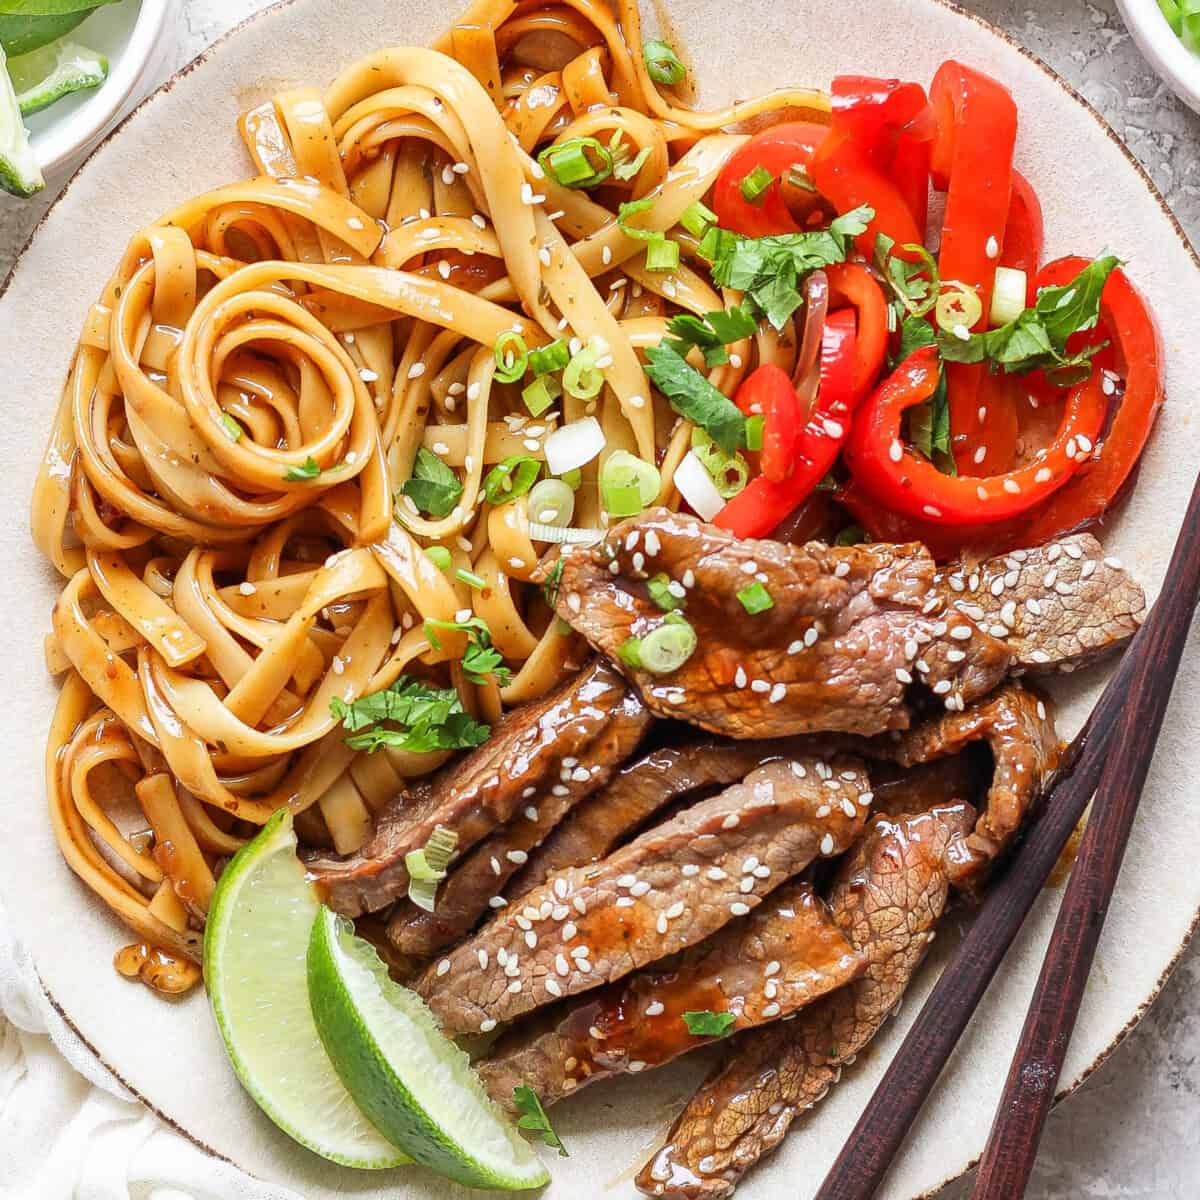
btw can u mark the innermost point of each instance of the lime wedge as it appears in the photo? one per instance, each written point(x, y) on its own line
point(43, 76)
point(19, 170)
point(407, 1076)
point(254, 964)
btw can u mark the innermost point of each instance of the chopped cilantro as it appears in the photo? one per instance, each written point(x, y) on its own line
point(711, 332)
point(708, 1024)
point(533, 1117)
point(308, 469)
point(481, 658)
point(434, 488)
point(429, 719)
point(692, 396)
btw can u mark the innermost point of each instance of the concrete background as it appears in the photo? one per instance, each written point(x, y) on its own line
point(1131, 1132)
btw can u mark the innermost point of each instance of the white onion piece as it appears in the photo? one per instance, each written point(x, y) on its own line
point(570, 536)
point(1008, 296)
point(572, 446)
point(696, 486)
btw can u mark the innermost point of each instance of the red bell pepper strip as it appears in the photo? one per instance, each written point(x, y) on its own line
point(972, 162)
point(777, 150)
point(760, 506)
point(850, 283)
point(907, 483)
point(1023, 234)
point(768, 392)
point(910, 170)
point(1127, 319)
point(944, 542)
point(877, 113)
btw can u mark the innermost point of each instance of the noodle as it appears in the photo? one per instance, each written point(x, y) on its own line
point(257, 382)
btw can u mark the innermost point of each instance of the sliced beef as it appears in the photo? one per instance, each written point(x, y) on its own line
point(887, 898)
point(784, 955)
point(1055, 607)
point(849, 630)
point(586, 721)
point(636, 793)
point(1016, 725)
point(899, 790)
point(668, 889)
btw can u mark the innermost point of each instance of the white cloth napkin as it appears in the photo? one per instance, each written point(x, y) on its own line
point(70, 1131)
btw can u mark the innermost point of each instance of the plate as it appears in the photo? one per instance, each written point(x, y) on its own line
point(182, 141)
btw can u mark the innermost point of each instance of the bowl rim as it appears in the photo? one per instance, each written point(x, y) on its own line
point(77, 133)
point(1178, 66)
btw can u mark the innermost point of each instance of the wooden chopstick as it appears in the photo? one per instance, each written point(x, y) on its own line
point(1033, 1076)
point(910, 1077)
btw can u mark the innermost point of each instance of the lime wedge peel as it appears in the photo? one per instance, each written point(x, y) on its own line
point(255, 947)
point(19, 170)
point(415, 1084)
point(45, 76)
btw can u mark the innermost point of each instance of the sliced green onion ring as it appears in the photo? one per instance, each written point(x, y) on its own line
point(697, 219)
point(958, 307)
point(582, 378)
point(549, 358)
point(628, 484)
point(668, 647)
point(552, 503)
point(580, 162)
point(511, 478)
point(754, 185)
point(662, 63)
point(540, 394)
point(512, 356)
point(662, 254)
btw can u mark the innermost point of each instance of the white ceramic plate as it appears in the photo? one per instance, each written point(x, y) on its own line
point(1174, 62)
point(132, 35)
point(182, 141)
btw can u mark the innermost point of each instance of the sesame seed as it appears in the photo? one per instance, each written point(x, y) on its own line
point(516, 986)
point(731, 822)
point(955, 656)
point(487, 1025)
point(777, 693)
point(246, 588)
point(931, 511)
point(583, 965)
point(497, 902)
point(495, 865)
point(771, 1010)
point(625, 902)
point(626, 881)
point(903, 676)
point(661, 924)
point(823, 812)
point(606, 255)
point(810, 636)
point(770, 989)
point(772, 968)
point(895, 451)
point(569, 930)
point(746, 885)
point(1087, 570)
point(1039, 656)
point(739, 909)
point(443, 967)
point(762, 872)
point(654, 1008)
point(848, 808)
point(1012, 487)
point(1042, 475)
point(689, 870)
point(716, 874)
point(519, 857)
point(641, 888)
point(531, 939)
point(531, 813)
point(561, 965)
point(739, 677)
point(827, 844)
point(689, 578)
point(795, 647)
point(961, 632)
point(554, 990)
point(942, 687)
point(759, 685)
point(841, 570)
point(1041, 710)
point(637, 1065)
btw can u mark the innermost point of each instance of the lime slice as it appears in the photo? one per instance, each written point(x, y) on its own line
point(20, 34)
point(408, 1077)
point(43, 76)
point(19, 170)
point(254, 964)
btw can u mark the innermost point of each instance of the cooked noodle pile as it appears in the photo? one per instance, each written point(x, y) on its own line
point(249, 394)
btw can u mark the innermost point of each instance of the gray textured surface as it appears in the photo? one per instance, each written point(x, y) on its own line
point(1131, 1130)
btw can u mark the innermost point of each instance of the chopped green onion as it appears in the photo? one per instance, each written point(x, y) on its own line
point(552, 503)
point(852, 535)
point(662, 254)
point(511, 478)
point(427, 866)
point(697, 219)
point(958, 307)
point(470, 579)
point(668, 647)
point(627, 170)
point(708, 1023)
point(754, 432)
point(573, 479)
point(580, 162)
point(628, 484)
point(659, 587)
point(549, 358)
point(1008, 296)
point(512, 356)
point(755, 598)
point(716, 244)
point(730, 472)
point(630, 652)
point(541, 393)
point(439, 556)
point(663, 63)
point(754, 186)
point(232, 427)
point(583, 379)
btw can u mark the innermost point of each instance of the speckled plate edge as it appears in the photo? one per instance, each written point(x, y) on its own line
point(1080, 1075)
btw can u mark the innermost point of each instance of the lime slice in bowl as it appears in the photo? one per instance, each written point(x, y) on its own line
point(254, 965)
point(19, 170)
point(414, 1083)
point(45, 76)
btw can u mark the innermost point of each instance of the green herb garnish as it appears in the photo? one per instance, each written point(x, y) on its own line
point(429, 719)
point(434, 488)
point(659, 587)
point(533, 1118)
point(692, 396)
point(709, 1024)
point(663, 63)
point(711, 332)
point(511, 478)
point(309, 469)
point(755, 598)
point(481, 658)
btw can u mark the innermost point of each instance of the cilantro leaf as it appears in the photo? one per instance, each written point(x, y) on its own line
point(533, 1117)
point(708, 1024)
point(1037, 337)
point(769, 269)
point(915, 333)
point(308, 469)
point(692, 396)
point(711, 332)
point(434, 488)
point(429, 719)
point(481, 658)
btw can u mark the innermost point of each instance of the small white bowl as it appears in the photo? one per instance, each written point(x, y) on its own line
point(133, 36)
point(1174, 62)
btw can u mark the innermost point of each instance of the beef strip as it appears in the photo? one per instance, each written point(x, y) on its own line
point(899, 791)
point(849, 630)
point(479, 878)
point(524, 757)
point(636, 793)
point(888, 895)
point(1017, 727)
point(666, 890)
point(781, 957)
point(1056, 607)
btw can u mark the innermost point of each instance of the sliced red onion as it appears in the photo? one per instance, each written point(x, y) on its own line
point(696, 486)
point(573, 446)
point(807, 374)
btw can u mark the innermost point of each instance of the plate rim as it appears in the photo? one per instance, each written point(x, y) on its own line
point(168, 84)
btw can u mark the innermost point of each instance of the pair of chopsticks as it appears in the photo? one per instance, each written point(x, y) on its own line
point(1110, 759)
